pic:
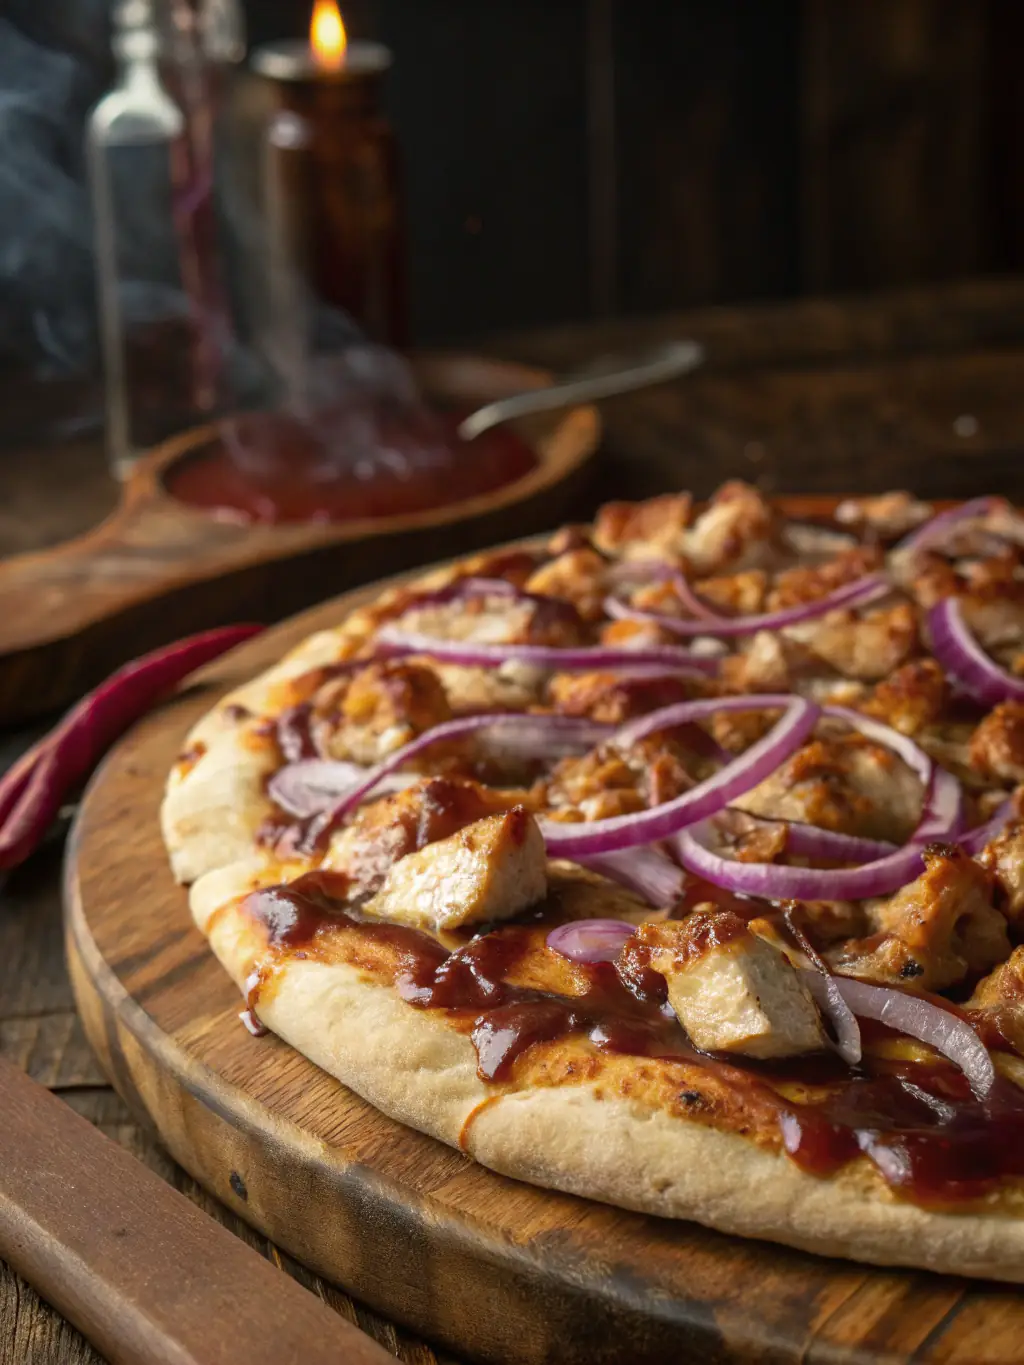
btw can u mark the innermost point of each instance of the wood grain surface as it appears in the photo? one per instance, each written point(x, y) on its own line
point(415, 1228)
point(138, 1268)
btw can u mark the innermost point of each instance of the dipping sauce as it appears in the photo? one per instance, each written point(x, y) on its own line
point(271, 467)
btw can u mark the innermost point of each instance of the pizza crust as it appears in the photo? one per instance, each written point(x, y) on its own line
point(415, 1068)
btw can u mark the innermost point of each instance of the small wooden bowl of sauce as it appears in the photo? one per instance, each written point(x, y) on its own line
point(229, 522)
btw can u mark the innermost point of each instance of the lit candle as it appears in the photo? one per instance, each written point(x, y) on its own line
point(346, 193)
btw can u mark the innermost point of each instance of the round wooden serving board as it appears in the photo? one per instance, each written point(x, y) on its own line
point(492, 1268)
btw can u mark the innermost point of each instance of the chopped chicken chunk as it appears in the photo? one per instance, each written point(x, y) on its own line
point(382, 707)
point(498, 621)
point(843, 783)
point(999, 999)
point(934, 932)
point(607, 781)
point(997, 745)
point(490, 870)
point(863, 646)
point(381, 833)
point(578, 576)
point(645, 530)
point(769, 663)
point(912, 699)
point(613, 698)
point(731, 990)
point(737, 531)
point(738, 594)
point(1003, 857)
point(811, 582)
point(889, 515)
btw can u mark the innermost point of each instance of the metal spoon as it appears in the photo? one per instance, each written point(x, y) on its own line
point(602, 378)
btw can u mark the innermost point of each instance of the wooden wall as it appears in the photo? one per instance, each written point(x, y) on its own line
point(575, 158)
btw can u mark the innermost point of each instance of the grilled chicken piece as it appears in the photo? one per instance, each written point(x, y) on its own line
point(382, 707)
point(990, 592)
point(912, 699)
point(997, 745)
point(889, 515)
point(381, 833)
point(842, 783)
point(811, 582)
point(614, 699)
point(607, 782)
point(514, 686)
point(644, 530)
point(737, 531)
point(731, 990)
point(769, 663)
point(498, 621)
point(999, 999)
point(738, 594)
point(865, 647)
point(1003, 858)
point(934, 932)
point(578, 576)
point(490, 870)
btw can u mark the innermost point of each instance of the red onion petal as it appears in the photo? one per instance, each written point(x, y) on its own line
point(566, 840)
point(591, 940)
point(545, 729)
point(938, 525)
point(975, 839)
point(964, 659)
point(392, 639)
point(312, 785)
point(860, 592)
point(647, 871)
point(831, 1001)
point(909, 1014)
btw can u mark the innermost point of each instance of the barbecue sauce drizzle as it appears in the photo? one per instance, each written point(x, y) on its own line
point(933, 1141)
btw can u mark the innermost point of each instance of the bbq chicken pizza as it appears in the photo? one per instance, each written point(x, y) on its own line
point(676, 862)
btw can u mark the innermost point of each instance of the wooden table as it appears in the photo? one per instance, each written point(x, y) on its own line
point(924, 389)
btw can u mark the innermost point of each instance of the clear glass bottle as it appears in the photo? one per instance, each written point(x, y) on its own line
point(163, 319)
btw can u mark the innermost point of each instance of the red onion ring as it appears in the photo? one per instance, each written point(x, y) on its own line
point(536, 733)
point(861, 592)
point(392, 639)
point(772, 882)
point(938, 525)
point(828, 997)
point(975, 839)
point(312, 785)
point(909, 1014)
point(661, 822)
point(590, 940)
point(964, 659)
point(647, 871)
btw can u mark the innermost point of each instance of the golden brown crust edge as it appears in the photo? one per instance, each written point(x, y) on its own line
point(414, 1067)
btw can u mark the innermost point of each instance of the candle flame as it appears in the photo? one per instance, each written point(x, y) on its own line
point(327, 35)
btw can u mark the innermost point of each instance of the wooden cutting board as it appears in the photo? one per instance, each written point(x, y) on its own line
point(492, 1268)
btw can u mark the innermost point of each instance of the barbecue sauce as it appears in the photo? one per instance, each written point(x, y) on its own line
point(270, 468)
point(933, 1141)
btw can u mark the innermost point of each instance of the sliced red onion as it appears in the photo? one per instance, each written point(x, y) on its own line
point(647, 871)
point(909, 1014)
point(313, 784)
point(936, 527)
point(808, 841)
point(965, 660)
point(391, 639)
point(858, 593)
point(702, 708)
point(709, 796)
point(536, 733)
point(641, 571)
point(591, 940)
point(975, 839)
point(831, 1001)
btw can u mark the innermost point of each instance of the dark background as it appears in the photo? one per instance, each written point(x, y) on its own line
point(568, 159)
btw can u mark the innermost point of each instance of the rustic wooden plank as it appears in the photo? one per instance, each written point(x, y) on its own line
point(707, 144)
point(894, 124)
point(138, 1269)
